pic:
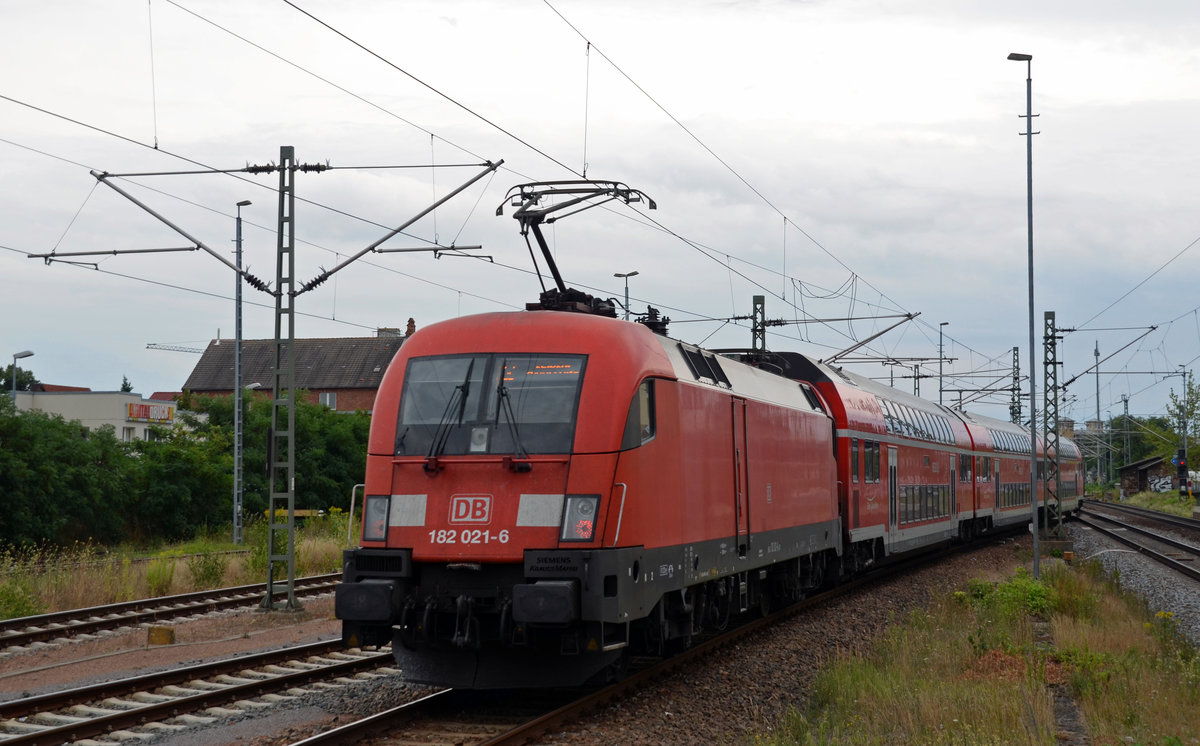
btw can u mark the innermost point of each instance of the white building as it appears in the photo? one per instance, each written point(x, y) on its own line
point(129, 414)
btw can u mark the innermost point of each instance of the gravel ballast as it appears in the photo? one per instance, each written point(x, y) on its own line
point(1162, 588)
point(744, 690)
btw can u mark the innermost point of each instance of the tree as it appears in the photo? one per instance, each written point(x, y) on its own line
point(60, 482)
point(183, 481)
point(1184, 414)
point(331, 449)
point(25, 378)
point(1147, 436)
point(126, 386)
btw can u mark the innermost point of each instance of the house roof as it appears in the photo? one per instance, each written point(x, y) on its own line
point(55, 387)
point(1146, 463)
point(321, 364)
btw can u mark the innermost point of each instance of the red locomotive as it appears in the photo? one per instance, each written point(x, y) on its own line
point(548, 492)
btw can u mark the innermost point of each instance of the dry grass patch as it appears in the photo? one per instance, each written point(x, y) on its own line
point(955, 674)
point(36, 580)
point(1135, 678)
point(978, 668)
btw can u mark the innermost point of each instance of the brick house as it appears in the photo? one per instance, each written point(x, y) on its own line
point(1154, 474)
point(342, 373)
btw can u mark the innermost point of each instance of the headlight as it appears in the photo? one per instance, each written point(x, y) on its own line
point(375, 518)
point(579, 518)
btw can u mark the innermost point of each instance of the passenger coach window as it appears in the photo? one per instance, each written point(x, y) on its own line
point(870, 461)
point(985, 469)
point(854, 460)
point(639, 423)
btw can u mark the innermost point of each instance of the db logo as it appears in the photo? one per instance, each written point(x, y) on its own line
point(471, 509)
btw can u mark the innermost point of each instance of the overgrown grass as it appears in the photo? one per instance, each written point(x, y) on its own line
point(41, 579)
point(1167, 502)
point(977, 668)
point(1136, 678)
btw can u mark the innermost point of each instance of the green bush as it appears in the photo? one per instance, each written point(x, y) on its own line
point(1013, 599)
point(17, 599)
point(207, 569)
point(64, 483)
point(255, 537)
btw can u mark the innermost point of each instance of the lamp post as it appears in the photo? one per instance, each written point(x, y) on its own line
point(17, 356)
point(1185, 484)
point(237, 380)
point(1033, 457)
point(941, 358)
point(626, 277)
point(1099, 425)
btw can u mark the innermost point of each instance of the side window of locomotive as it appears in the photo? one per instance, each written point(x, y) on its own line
point(640, 425)
point(854, 460)
point(814, 401)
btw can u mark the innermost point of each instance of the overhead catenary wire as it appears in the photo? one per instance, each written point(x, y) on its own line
point(785, 220)
point(431, 88)
point(543, 153)
point(380, 57)
point(768, 202)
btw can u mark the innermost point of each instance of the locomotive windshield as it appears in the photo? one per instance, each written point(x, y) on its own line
point(513, 404)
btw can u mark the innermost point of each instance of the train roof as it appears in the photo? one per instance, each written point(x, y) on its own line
point(1004, 436)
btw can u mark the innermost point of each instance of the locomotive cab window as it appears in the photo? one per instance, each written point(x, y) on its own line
point(639, 423)
point(497, 403)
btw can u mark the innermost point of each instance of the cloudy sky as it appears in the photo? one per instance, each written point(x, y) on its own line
point(848, 160)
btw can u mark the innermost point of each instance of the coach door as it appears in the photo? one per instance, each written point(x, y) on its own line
point(893, 491)
point(953, 488)
point(740, 476)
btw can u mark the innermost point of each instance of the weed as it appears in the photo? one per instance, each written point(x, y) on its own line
point(17, 599)
point(207, 568)
point(160, 574)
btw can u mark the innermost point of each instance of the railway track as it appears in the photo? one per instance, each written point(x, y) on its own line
point(1156, 516)
point(1177, 555)
point(24, 631)
point(525, 716)
point(178, 698)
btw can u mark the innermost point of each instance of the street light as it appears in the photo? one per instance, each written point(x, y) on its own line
point(941, 358)
point(17, 356)
point(237, 380)
point(626, 276)
point(1033, 459)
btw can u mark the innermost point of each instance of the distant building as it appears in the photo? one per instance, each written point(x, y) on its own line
point(1066, 427)
point(129, 414)
point(343, 373)
point(56, 388)
point(1154, 474)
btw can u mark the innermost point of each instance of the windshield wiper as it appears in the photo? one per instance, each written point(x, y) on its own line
point(458, 399)
point(506, 409)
